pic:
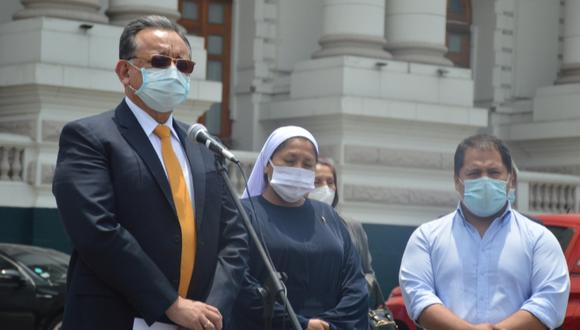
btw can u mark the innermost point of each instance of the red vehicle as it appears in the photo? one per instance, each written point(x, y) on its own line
point(566, 228)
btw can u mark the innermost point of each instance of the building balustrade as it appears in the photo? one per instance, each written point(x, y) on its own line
point(13, 157)
point(536, 192)
point(548, 193)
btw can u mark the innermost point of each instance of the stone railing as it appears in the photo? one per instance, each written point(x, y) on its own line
point(548, 193)
point(13, 157)
point(247, 160)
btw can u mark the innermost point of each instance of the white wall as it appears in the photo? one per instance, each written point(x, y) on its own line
point(536, 46)
point(484, 22)
point(9, 8)
point(299, 28)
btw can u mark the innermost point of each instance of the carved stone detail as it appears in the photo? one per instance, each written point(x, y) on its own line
point(401, 196)
point(398, 158)
point(19, 127)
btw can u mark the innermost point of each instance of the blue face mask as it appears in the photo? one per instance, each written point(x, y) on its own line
point(162, 89)
point(484, 196)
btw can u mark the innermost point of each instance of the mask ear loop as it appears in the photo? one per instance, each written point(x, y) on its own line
point(142, 78)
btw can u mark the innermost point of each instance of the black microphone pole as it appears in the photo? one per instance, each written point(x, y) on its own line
point(277, 286)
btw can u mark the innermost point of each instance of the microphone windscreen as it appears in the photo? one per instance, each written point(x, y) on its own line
point(194, 130)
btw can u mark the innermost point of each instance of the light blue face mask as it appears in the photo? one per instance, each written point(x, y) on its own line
point(162, 89)
point(484, 196)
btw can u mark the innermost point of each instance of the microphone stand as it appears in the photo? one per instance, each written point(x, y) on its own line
point(274, 286)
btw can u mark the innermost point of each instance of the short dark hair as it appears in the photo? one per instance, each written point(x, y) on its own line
point(330, 164)
point(127, 45)
point(482, 142)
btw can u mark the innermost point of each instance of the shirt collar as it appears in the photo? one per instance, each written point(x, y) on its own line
point(146, 121)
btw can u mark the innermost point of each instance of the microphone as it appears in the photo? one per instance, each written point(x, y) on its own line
point(198, 132)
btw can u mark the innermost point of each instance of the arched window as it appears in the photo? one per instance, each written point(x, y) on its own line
point(458, 36)
point(212, 20)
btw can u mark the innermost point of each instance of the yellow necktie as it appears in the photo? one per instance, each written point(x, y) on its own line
point(182, 202)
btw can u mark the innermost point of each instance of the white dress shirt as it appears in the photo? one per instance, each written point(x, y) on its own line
point(148, 124)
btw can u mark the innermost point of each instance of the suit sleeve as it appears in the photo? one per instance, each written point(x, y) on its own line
point(84, 194)
point(232, 257)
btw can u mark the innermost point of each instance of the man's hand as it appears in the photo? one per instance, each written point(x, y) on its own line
point(316, 324)
point(194, 315)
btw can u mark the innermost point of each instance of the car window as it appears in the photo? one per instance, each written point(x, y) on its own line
point(563, 234)
point(5, 264)
point(47, 268)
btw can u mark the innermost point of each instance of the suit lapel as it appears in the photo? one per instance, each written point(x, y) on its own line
point(198, 170)
point(135, 136)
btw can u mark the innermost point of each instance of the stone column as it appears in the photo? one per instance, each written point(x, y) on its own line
point(80, 10)
point(570, 71)
point(122, 11)
point(415, 30)
point(353, 27)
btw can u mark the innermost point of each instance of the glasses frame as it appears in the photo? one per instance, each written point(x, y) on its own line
point(160, 61)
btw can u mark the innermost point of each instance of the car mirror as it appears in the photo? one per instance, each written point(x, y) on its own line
point(10, 278)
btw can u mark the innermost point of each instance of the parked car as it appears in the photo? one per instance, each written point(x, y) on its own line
point(566, 228)
point(32, 285)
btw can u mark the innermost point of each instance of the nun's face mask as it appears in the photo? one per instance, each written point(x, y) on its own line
point(293, 166)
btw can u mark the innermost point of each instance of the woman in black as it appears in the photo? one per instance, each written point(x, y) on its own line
point(306, 240)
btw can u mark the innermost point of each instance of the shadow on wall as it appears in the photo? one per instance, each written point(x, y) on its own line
point(33, 226)
point(387, 243)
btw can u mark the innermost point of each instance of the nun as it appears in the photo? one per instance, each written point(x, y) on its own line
point(307, 242)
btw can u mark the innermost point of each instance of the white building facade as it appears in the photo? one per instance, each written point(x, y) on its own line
point(388, 87)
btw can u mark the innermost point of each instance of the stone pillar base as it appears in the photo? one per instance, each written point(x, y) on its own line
point(123, 14)
point(80, 12)
point(351, 44)
point(569, 74)
point(419, 53)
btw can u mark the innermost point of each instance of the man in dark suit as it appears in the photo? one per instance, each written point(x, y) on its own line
point(156, 236)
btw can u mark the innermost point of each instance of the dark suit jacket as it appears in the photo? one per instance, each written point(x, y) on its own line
point(115, 202)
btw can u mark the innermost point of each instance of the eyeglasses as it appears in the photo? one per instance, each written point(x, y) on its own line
point(163, 61)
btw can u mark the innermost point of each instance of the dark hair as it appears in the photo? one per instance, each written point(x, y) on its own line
point(127, 45)
point(330, 163)
point(482, 142)
point(283, 144)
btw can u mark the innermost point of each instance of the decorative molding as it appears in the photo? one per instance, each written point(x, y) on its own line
point(19, 127)
point(85, 10)
point(400, 196)
point(398, 158)
point(503, 44)
point(352, 45)
point(560, 169)
point(419, 52)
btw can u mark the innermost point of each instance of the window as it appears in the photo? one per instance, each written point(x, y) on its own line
point(563, 235)
point(212, 20)
point(458, 37)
